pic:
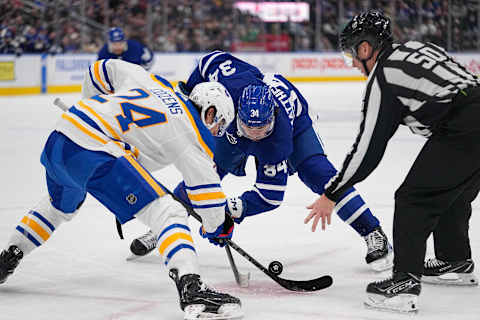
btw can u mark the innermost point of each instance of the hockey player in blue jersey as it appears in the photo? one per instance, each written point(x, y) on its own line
point(118, 47)
point(273, 125)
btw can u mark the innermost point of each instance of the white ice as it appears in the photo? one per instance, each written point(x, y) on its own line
point(81, 273)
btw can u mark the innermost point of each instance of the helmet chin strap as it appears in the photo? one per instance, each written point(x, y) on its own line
point(364, 63)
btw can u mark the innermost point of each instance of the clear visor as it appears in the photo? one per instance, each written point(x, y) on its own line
point(255, 133)
point(348, 58)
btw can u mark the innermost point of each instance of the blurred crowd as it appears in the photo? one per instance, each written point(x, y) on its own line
point(424, 20)
point(59, 26)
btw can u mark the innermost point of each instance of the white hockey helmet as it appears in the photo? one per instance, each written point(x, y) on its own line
point(213, 94)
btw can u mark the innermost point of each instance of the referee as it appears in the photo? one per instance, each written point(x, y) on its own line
point(418, 85)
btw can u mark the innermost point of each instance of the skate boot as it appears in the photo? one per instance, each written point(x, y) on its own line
point(143, 245)
point(459, 273)
point(398, 293)
point(379, 251)
point(201, 302)
point(9, 260)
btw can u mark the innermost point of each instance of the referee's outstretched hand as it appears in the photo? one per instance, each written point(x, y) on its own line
point(321, 208)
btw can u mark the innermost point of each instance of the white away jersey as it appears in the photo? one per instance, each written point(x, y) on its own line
point(147, 119)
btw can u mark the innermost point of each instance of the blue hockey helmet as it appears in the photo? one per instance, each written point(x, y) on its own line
point(116, 35)
point(256, 112)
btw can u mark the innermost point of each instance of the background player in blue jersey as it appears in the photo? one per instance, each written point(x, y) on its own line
point(273, 125)
point(118, 47)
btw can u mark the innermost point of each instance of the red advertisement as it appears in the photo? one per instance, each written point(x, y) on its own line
point(320, 63)
point(265, 43)
point(473, 66)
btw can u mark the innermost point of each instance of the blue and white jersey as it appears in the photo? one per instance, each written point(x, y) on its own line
point(127, 111)
point(136, 53)
point(274, 153)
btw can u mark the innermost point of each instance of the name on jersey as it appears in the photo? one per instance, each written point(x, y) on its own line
point(289, 102)
point(168, 100)
point(284, 95)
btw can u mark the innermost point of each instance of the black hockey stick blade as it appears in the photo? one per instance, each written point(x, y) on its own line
point(292, 285)
point(304, 285)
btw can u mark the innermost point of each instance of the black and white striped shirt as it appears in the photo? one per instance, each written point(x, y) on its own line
point(413, 84)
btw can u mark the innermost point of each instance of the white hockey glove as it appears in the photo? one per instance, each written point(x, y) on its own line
point(234, 208)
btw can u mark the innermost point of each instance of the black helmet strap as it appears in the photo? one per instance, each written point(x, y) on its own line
point(364, 61)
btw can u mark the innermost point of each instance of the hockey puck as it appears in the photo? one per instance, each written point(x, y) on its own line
point(275, 267)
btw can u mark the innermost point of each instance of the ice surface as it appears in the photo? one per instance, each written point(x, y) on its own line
point(81, 273)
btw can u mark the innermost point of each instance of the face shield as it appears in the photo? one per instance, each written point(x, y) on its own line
point(218, 124)
point(348, 56)
point(253, 132)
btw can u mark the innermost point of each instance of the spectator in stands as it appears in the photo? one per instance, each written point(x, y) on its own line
point(7, 43)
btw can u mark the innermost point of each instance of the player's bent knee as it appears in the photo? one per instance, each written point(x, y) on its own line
point(57, 216)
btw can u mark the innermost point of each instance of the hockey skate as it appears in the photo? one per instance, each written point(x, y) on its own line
point(458, 273)
point(398, 293)
point(142, 245)
point(201, 302)
point(379, 251)
point(9, 260)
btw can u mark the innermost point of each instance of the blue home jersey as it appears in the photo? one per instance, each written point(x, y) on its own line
point(278, 154)
point(136, 53)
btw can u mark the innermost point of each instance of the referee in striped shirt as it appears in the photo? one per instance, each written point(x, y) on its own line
point(421, 86)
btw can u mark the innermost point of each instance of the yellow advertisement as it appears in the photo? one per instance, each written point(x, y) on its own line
point(7, 70)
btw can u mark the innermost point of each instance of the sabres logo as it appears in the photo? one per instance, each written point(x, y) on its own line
point(131, 199)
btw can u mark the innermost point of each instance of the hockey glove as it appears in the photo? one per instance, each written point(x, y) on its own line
point(224, 231)
point(235, 209)
point(181, 88)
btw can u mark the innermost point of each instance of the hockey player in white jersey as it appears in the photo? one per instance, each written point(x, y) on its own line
point(107, 145)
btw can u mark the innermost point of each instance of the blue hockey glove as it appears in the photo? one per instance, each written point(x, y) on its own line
point(235, 209)
point(224, 231)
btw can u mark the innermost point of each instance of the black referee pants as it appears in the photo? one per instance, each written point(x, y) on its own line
point(437, 193)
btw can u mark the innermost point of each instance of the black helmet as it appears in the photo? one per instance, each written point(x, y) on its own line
point(371, 26)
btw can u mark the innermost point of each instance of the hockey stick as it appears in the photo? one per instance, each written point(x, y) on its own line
point(275, 268)
point(59, 103)
point(240, 278)
point(243, 280)
point(292, 285)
